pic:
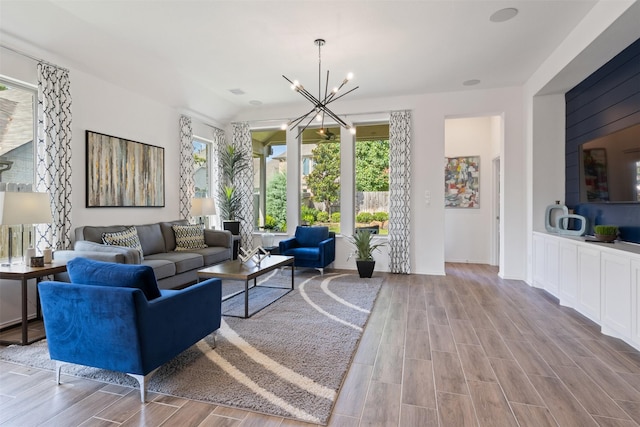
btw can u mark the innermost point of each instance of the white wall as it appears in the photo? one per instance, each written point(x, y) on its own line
point(427, 241)
point(468, 232)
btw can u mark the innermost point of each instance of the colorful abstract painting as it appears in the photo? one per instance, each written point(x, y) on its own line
point(462, 182)
point(123, 173)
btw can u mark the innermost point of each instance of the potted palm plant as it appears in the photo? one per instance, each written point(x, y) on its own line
point(232, 162)
point(364, 247)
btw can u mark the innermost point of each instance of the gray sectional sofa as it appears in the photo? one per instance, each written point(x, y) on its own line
point(173, 269)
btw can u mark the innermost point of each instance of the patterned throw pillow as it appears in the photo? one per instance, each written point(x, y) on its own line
point(128, 238)
point(189, 237)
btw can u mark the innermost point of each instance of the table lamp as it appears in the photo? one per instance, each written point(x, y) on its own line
point(202, 207)
point(20, 208)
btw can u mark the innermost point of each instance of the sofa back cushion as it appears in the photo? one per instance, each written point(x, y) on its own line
point(151, 238)
point(98, 273)
point(311, 236)
point(169, 235)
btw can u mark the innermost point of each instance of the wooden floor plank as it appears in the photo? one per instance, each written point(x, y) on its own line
point(515, 382)
point(475, 363)
point(448, 373)
point(533, 416)
point(456, 410)
point(417, 385)
point(490, 404)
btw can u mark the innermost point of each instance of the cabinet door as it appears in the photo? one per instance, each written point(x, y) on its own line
point(551, 263)
point(589, 282)
point(616, 295)
point(635, 307)
point(568, 279)
point(538, 261)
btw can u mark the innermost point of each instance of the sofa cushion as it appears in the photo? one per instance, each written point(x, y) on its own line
point(184, 261)
point(311, 236)
point(189, 237)
point(169, 235)
point(97, 273)
point(161, 267)
point(151, 238)
point(94, 233)
point(127, 238)
point(214, 254)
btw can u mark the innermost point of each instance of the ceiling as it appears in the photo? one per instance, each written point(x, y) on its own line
point(191, 54)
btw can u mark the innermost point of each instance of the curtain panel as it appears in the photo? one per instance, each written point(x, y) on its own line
point(244, 183)
point(399, 191)
point(53, 154)
point(219, 142)
point(187, 166)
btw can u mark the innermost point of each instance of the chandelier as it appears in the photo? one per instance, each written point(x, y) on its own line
point(320, 103)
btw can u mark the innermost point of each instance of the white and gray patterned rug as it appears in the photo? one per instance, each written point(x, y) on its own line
point(288, 360)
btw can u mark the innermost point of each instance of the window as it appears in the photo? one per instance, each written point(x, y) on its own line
point(17, 151)
point(270, 179)
point(372, 177)
point(320, 178)
point(202, 169)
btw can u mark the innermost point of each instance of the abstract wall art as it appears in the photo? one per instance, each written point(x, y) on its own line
point(123, 173)
point(462, 182)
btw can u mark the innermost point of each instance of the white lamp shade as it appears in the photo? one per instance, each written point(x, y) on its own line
point(202, 206)
point(25, 208)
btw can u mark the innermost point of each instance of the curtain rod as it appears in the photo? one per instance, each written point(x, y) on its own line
point(26, 55)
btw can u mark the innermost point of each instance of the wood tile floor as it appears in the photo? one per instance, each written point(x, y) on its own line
point(467, 349)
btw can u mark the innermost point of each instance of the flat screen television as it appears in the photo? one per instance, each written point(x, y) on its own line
point(610, 167)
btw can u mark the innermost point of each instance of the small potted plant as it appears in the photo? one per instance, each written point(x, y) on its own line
point(270, 225)
point(232, 163)
point(363, 244)
point(606, 233)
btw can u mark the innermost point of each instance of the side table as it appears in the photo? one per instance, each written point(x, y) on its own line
point(23, 273)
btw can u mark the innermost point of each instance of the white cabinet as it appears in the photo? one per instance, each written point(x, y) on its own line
point(545, 264)
point(601, 281)
point(568, 279)
point(589, 294)
point(635, 305)
point(616, 295)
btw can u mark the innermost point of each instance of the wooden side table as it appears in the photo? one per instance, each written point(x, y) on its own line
point(23, 273)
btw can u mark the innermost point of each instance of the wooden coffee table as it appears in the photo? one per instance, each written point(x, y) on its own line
point(237, 270)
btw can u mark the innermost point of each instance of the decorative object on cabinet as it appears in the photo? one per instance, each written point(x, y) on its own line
point(606, 233)
point(552, 214)
point(563, 222)
point(462, 182)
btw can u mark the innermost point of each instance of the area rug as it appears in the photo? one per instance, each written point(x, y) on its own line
point(288, 360)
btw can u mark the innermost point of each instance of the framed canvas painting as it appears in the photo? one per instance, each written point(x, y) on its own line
point(123, 173)
point(462, 182)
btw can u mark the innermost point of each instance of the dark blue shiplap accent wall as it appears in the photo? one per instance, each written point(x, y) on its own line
point(605, 102)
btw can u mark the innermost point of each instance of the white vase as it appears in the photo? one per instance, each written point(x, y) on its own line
point(267, 239)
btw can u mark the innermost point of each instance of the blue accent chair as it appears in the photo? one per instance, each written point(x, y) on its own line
point(313, 247)
point(112, 316)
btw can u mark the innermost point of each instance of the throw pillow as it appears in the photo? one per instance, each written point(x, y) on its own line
point(99, 273)
point(127, 238)
point(189, 237)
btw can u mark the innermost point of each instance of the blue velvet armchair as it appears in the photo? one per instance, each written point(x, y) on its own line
point(112, 316)
point(313, 247)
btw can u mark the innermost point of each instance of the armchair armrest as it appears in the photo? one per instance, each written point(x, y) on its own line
point(328, 250)
point(130, 255)
point(287, 244)
point(222, 238)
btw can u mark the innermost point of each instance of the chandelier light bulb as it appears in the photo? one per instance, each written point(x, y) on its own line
point(319, 117)
point(352, 130)
point(335, 90)
point(283, 126)
point(349, 76)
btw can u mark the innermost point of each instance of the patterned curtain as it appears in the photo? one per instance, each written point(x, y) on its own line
point(53, 148)
point(244, 183)
point(187, 166)
point(219, 142)
point(400, 191)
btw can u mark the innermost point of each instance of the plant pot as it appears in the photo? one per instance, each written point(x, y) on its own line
point(232, 226)
point(606, 237)
point(365, 267)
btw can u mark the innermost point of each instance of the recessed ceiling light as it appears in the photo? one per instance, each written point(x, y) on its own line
point(471, 82)
point(236, 91)
point(255, 102)
point(504, 14)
